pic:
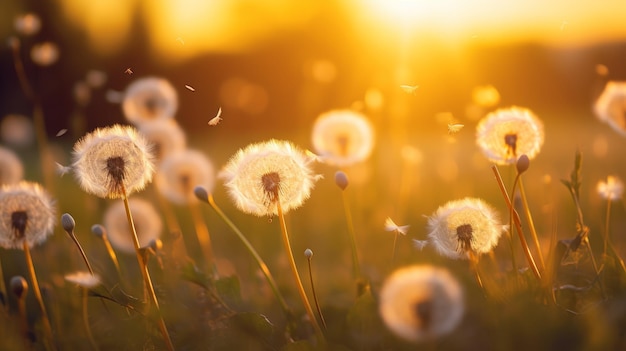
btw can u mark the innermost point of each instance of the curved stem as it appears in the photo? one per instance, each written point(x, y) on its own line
point(317, 304)
point(255, 255)
point(47, 327)
point(296, 276)
point(202, 233)
point(355, 256)
point(146, 274)
point(531, 225)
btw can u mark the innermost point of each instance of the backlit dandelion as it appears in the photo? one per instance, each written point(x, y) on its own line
point(342, 137)
point(83, 279)
point(612, 189)
point(463, 227)
point(11, 168)
point(260, 174)
point(147, 221)
point(610, 107)
point(44, 54)
point(112, 160)
point(419, 303)
point(27, 215)
point(505, 134)
point(181, 172)
point(149, 98)
point(165, 135)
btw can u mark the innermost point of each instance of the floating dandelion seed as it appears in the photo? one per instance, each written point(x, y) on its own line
point(11, 168)
point(419, 303)
point(260, 174)
point(420, 244)
point(44, 54)
point(149, 98)
point(179, 173)
point(505, 134)
point(27, 215)
point(610, 107)
point(128, 71)
point(390, 226)
point(409, 89)
point(83, 279)
point(165, 135)
point(465, 225)
point(111, 160)
point(612, 189)
point(61, 132)
point(147, 221)
point(216, 120)
point(342, 137)
point(189, 87)
point(455, 128)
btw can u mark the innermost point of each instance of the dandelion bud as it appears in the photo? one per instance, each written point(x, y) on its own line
point(308, 253)
point(341, 179)
point(68, 223)
point(19, 286)
point(156, 244)
point(523, 162)
point(98, 230)
point(201, 193)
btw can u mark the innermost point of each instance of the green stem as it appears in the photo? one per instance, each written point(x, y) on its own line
point(355, 256)
point(317, 304)
point(531, 225)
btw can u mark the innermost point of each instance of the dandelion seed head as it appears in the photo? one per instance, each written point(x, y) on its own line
point(464, 225)
point(261, 174)
point(148, 224)
point(84, 279)
point(612, 189)
point(610, 107)
point(27, 214)
point(419, 303)
point(165, 135)
point(343, 137)
point(112, 158)
point(505, 134)
point(27, 24)
point(45, 54)
point(308, 253)
point(17, 130)
point(179, 173)
point(149, 98)
point(11, 168)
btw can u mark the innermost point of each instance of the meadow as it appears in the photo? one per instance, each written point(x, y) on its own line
point(343, 229)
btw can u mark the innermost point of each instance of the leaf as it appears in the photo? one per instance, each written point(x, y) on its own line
point(191, 273)
point(229, 289)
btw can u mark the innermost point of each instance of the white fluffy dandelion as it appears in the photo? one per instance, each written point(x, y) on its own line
point(112, 160)
point(610, 107)
point(147, 221)
point(612, 189)
point(27, 215)
point(179, 173)
point(343, 137)
point(165, 135)
point(465, 225)
point(421, 302)
point(263, 173)
point(83, 279)
point(149, 98)
point(505, 134)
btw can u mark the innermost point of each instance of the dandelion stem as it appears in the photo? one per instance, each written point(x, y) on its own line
point(86, 320)
point(517, 222)
point(255, 255)
point(606, 226)
point(355, 256)
point(109, 248)
point(47, 327)
point(202, 233)
point(531, 224)
point(82, 252)
point(317, 304)
point(145, 273)
point(393, 250)
point(3, 288)
point(296, 276)
point(474, 266)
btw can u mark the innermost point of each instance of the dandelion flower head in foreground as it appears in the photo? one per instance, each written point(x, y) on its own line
point(11, 168)
point(149, 98)
point(610, 107)
point(27, 215)
point(111, 159)
point(505, 134)
point(261, 174)
point(612, 189)
point(179, 173)
point(165, 135)
point(465, 225)
point(342, 137)
point(83, 279)
point(148, 224)
point(421, 302)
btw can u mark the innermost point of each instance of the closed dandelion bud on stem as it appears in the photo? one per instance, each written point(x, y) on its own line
point(68, 223)
point(98, 230)
point(523, 162)
point(341, 179)
point(419, 303)
point(19, 286)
